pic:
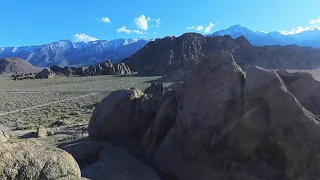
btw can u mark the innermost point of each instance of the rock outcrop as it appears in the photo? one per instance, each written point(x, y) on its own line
point(106, 68)
point(45, 74)
point(26, 160)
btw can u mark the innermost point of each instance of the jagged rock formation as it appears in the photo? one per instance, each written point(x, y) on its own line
point(16, 66)
point(24, 76)
point(106, 68)
point(222, 122)
point(45, 74)
point(26, 160)
point(164, 56)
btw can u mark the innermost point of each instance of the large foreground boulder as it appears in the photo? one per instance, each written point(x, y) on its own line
point(209, 102)
point(28, 161)
point(114, 120)
point(239, 128)
point(124, 116)
point(117, 164)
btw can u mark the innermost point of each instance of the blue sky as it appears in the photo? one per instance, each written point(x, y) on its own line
point(38, 22)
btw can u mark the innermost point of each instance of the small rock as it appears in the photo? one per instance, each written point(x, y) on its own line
point(74, 113)
point(41, 132)
point(50, 133)
point(59, 123)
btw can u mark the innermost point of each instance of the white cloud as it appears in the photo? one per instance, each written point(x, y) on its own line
point(106, 20)
point(208, 28)
point(199, 28)
point(141, 22)
point(83, 38)
point(298, 30)
point(191, 27)
point(138, 32)
point(124, 30)
point(202, 28)
point(314, 21)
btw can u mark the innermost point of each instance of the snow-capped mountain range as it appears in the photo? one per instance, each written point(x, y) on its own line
point(310, 37)
point(65, 52)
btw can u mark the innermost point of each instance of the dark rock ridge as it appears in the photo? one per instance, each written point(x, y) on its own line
point(16, 65)
point(170, 54)
point(221, 122)
point(66, 53)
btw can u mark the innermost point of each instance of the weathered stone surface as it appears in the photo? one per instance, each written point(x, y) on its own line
point(117, 164)
point(272, 136)
point(115, 118)
point(157, 132)
point(277, 136)
point(304, 87)
point(85, 153)
point(209, 102)
point(28, 161)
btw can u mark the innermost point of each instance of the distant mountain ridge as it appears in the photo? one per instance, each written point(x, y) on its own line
point(66, 52)
point(306, 38)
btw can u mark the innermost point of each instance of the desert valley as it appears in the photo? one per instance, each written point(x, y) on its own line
point(191, 107)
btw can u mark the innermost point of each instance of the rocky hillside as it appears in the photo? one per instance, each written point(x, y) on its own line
point(16, 66)
point(65, 52)
point(169, 54)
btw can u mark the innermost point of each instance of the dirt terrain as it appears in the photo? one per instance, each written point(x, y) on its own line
point(63, 105)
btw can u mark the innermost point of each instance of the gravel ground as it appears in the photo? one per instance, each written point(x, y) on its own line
point(61, 98)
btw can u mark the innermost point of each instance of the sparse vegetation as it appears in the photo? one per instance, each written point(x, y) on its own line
point(29, 103)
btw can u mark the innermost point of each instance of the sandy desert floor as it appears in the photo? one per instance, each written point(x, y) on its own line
point(62, 104)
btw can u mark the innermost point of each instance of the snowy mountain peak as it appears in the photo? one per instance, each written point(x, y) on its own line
point(65, 52)
point(300, 36)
